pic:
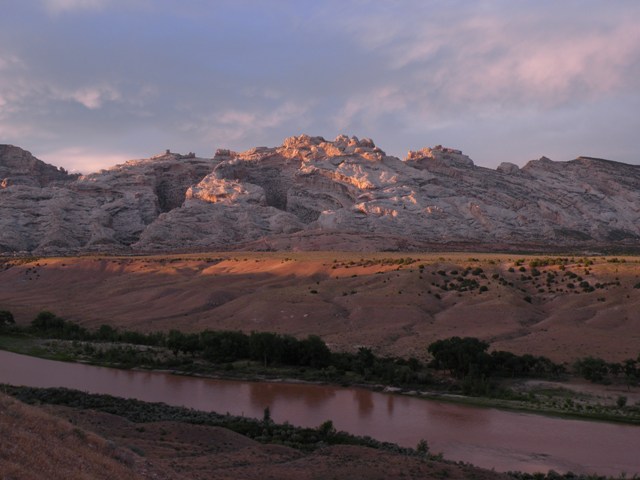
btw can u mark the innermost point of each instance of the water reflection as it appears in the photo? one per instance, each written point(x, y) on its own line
point(486, 437)
point(364, 400)
point(268, 394)
point(441, 413)
point(390, 399)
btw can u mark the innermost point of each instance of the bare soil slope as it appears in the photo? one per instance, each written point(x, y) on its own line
point(563, 307)
point(35, 445)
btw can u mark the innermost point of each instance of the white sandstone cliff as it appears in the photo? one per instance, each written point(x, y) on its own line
point(313, 188)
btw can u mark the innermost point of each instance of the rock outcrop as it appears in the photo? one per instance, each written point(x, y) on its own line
point(308, 190)
point(104, 211)
point(19, 167)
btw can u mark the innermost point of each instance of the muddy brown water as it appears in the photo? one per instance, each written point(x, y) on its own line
point(486, 437)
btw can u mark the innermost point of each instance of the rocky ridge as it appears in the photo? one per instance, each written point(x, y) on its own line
point(310, 193)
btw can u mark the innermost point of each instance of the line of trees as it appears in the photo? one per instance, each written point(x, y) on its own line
point(598, 370)
point(466, 359)
point(266, 347)
point(215, 346)
point(225, 347)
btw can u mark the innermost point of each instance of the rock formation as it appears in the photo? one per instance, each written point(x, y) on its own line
point(19, 167)
point(311, 193)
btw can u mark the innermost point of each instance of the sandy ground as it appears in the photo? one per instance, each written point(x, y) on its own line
point(350, 299)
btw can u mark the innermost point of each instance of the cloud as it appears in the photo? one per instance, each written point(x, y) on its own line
point(144, 75)
point(9, 61)
point(61, 6)
point(12, 130)
point(371, 105)
point(80, 159)
point(467, 57)
point(35, 92)
point(94, 97)
point(243, 126)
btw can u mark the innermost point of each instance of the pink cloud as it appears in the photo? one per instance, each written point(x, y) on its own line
point(506, 58)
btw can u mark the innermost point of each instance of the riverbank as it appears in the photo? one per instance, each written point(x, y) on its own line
point(171, 442)
point(522, 396)
point(156, 435)
point(490, 438)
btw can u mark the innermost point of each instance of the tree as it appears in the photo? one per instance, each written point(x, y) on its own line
point(291, 351)
point(314, 352)
point(460, 355)
point(506, 364)
point(365, 359)
point(631, 372)
point(591, 368)
point(422, 447)
point(265, 347)
point(224, 346)
point(107, 333)
point(6, 318)
point(327, 430)
point(175, 341)
point(46, 321)
point(266, 416)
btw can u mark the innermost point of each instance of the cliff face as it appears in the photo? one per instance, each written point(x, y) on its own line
point(310, 193)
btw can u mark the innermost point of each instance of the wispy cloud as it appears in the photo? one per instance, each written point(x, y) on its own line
point(94, 97)
point(545, 57)
point(239, 126)
point(60, 6)
point(84, 160)
point(9, 61)
point(144, 75)
point(370, 105)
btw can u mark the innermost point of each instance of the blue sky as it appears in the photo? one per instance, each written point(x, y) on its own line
point(85, 84)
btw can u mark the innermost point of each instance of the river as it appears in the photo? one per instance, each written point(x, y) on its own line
point(486, 437)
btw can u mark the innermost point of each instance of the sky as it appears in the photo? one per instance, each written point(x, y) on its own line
point(86, 84)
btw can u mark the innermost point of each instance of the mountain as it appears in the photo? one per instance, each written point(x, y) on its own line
point(314, 194)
